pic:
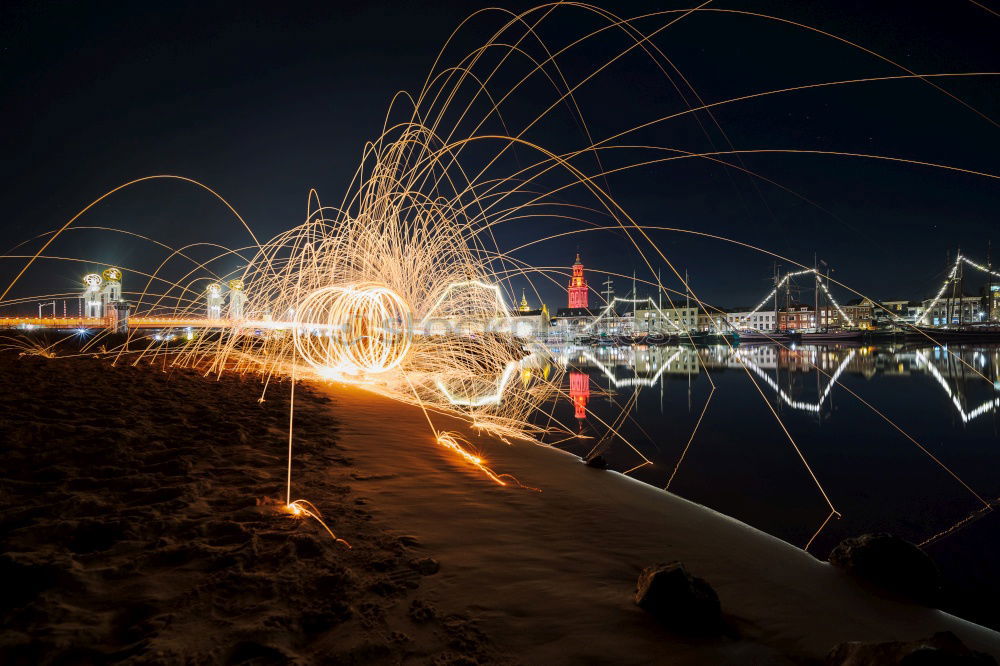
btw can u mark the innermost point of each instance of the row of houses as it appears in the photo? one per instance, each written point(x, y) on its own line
point(673, 318)
point(638, 316)
point(670, 317)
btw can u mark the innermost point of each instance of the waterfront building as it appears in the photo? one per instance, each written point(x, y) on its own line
point(686, 317)
point(797, 316)
point(670, 318)
point(714, 321)
point(829, 317)
point(573, 319)
point(526, 322)
point(666, 320)
point(891, 311)
point(967, 309)
point(860, 311)
point(740, 319)
point(578, 290)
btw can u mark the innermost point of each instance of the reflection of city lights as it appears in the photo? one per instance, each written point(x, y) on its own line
point(633, 381)
point(797, 404)
point(988, 406)
point(479, 401)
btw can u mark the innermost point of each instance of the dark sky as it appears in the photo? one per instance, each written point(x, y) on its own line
point(262, 101)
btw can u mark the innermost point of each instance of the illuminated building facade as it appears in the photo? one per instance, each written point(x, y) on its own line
point(573, 320)
point(742, 319)
point(237, 299)
point(101, 293)
point(965, 309)
point(578, 286)
point(861, 312)
point(526, 322)
point(213, 301)
point(111, 292)
point(796, 316)
point(91, 295)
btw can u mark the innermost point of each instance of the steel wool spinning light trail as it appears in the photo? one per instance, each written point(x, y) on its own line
point(404, 287)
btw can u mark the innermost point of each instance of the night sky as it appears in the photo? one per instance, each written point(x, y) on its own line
point(262, 101)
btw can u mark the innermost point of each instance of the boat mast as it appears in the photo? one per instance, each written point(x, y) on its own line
point(659, 290)
point(959, 284)
point(776, 327)
point(989, 283)
point(951, 292)
point(816, 317)
point(687, 303)
point(826, 299)
point(788, 294)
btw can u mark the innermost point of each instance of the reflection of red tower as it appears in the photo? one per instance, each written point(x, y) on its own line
point(577, 286)
point(579, 393)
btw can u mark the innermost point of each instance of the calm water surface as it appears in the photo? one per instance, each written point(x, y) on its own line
point(741, 462)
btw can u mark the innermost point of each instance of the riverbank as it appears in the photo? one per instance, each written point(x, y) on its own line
point(552, 573)
point(142, 520)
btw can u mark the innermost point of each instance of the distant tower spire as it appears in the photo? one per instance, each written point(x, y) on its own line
point(524, 303)
point(578, 286)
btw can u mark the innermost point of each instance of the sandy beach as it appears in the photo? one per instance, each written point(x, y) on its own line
point(143, 521)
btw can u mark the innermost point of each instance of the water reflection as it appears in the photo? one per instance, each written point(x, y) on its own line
point(967, 375)
point(903, 438)
point(901, 423)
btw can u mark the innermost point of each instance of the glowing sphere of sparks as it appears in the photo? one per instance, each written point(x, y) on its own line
point(92, 280)
point(236, 284)
point(112, 274)
point(361, 329)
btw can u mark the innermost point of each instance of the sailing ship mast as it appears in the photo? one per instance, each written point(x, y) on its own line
point(776, 327)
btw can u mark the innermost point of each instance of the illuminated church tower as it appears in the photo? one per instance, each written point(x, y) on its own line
point(578, 286)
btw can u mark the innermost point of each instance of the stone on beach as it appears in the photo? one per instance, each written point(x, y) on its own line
point(681, 601)
point(942, 649)
point(890, 563)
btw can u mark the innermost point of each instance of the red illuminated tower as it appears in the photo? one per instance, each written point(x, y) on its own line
point(578, 286)
point(579, 393)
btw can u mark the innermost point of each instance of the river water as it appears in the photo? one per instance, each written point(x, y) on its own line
point(901, 438)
